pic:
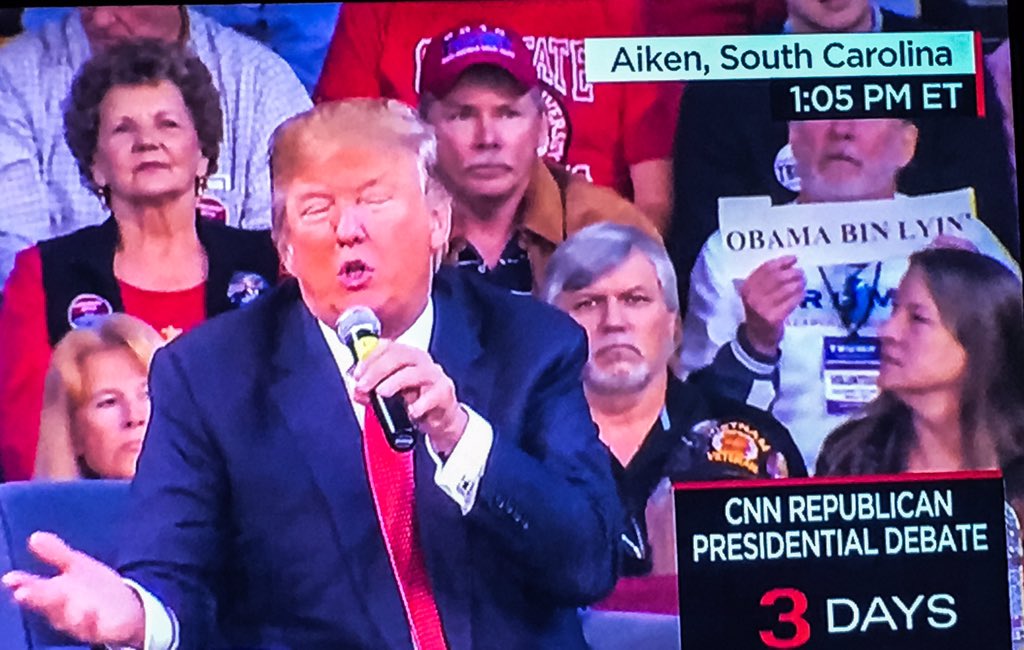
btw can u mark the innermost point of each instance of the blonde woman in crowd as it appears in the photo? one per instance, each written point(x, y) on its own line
point(96, 401)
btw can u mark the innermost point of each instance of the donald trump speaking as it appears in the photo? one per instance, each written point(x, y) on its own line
point(269, 509)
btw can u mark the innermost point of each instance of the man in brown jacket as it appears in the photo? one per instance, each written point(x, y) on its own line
point(511, 208)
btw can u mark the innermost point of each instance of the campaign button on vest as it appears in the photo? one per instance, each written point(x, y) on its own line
point(246, 287)
point(87, 309)
point(212, 208)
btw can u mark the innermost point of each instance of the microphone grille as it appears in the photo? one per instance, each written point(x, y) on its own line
point(354, 319)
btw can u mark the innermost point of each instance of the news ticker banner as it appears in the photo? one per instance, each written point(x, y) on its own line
point(813, 76)
point(844, 564)
point(754, 231)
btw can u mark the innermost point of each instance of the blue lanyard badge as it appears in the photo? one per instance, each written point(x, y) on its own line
point(850, 372)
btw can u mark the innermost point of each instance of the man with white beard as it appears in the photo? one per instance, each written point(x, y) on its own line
point(817, 319)
point(619, 285)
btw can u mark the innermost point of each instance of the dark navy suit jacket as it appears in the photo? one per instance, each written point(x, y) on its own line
point(252, 517)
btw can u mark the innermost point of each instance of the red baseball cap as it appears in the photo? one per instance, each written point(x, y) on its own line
point(453, 52)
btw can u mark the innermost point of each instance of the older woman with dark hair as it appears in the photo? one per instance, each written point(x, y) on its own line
point(144, 123)
point(951, 393)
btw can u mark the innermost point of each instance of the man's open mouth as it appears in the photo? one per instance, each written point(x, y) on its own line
point(355, 274)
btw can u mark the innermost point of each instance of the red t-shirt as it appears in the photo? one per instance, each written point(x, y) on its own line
point(377, 49)
point(714, 17)
point(649, 594)
point(169, 312)
point(25, 350)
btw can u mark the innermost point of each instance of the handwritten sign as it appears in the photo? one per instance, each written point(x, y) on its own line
point(754, 231)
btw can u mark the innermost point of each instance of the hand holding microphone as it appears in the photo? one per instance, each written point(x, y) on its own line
point(403, 385)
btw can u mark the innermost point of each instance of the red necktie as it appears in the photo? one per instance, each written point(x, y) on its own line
point(392, 487)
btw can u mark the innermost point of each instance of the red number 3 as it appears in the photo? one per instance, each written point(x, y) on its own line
point(794, 617)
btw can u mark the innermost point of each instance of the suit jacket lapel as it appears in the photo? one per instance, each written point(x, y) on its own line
point(310, 396)
point(455, 341)
point(455, 345)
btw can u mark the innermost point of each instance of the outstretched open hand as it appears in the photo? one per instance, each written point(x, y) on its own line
point(86, 599)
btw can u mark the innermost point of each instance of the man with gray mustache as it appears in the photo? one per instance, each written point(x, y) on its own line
point(480, 92)
point(619, 285)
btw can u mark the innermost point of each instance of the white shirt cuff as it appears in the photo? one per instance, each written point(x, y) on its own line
point(161, 623)
point(459, 476)
point(748, 361)
point(762, 393)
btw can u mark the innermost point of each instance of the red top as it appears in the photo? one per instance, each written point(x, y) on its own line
point(378, 48)
point(714, 17)
point(25, 350)
point(647, 594)
point(169, 312)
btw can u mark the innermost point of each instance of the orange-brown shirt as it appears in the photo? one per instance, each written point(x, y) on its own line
point(555, 206)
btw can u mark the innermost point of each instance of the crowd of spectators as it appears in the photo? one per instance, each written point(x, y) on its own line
point(136, 174)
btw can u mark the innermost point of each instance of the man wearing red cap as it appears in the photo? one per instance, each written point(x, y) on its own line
point(617, 135)
point(481, 93)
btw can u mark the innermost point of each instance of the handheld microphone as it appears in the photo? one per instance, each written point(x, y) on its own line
point(359, 329)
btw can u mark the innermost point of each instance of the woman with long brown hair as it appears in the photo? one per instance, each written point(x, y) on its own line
point(951, 391)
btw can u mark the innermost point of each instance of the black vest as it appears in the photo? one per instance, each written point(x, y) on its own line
point(669, 453)
point(82, 262)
